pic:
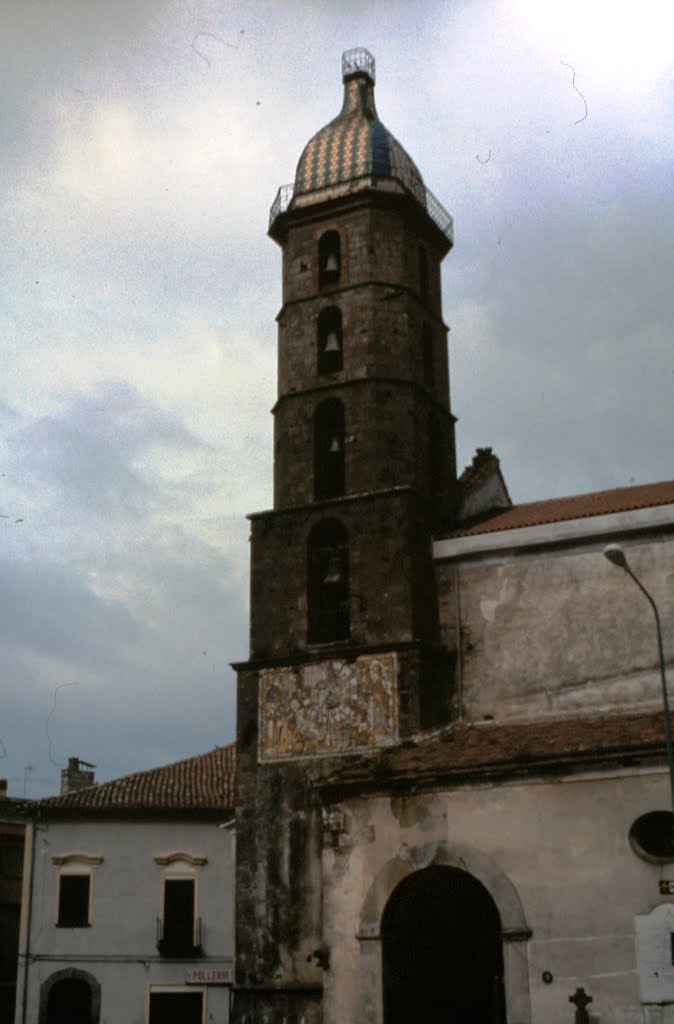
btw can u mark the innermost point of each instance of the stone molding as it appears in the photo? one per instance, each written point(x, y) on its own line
point(514, 927)
point(164, 859)
point(60, 859)
point(70, 974)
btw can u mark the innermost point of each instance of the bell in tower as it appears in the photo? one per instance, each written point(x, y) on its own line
point(345, 637)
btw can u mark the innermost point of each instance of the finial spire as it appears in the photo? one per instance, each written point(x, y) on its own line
point(357, 62)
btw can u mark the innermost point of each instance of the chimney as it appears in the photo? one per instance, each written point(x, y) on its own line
point(78, 775)
point(3, 789)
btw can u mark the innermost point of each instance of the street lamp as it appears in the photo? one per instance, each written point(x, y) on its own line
point(615, 554)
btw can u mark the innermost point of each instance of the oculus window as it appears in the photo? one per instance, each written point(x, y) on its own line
point(652, 837)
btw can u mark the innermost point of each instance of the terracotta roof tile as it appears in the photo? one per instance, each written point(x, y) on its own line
point(480, 752)
point(14, 808)
point(578, 506)
point(202, 783)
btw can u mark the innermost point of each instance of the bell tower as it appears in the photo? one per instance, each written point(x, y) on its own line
point(345, 651)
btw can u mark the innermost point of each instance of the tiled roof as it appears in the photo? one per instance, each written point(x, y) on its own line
point(14, 809)
point(475, 753)
point(199, 784)
point(578, 506)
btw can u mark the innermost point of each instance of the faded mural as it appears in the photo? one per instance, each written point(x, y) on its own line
point(332, 707)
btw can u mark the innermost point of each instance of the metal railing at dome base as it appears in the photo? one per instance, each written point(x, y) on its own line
point(436, 211)
point(282, 202)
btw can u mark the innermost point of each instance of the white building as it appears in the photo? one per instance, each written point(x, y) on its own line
point(128, 900)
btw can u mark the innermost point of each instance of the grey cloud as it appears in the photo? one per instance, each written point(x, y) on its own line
point(148, 691)
point(89, 452)
point(47, 49)
point(579, 337)
point(49, 613)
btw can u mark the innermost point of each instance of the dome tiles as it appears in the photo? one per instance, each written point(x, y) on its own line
point(356, 144)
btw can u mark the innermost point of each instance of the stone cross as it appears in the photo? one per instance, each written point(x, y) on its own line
point(580, 999)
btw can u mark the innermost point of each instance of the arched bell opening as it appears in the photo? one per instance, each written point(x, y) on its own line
point(329, 259)
point(329, 469)
point(329, 340)
point(328, 592)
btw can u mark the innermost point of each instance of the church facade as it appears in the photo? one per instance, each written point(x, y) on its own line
point(450, 752)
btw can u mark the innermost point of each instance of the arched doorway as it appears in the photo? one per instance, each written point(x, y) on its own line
point(69, 1002)
point(70, 997)
point(442, 953)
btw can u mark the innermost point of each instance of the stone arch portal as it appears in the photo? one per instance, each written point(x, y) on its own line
point(443, 878)
point(70, 997)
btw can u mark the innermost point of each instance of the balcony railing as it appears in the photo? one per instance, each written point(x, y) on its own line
point(436, 211)
point(439, 215)
point(282, 202)
point(179, 943)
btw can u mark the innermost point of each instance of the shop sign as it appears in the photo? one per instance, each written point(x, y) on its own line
point(209, 975)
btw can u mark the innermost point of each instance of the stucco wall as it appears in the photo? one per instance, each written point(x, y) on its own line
point(558, 849)
point(119, 948)
point(557, 631)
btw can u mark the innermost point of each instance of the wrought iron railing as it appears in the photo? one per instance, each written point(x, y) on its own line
point(436, 211)
point(357, 60)
point(282, 202)
point(439, 215)
point(183, 942)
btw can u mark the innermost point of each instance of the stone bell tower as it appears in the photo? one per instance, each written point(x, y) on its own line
point(345, 646)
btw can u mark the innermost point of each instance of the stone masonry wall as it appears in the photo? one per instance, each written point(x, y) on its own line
point(388, 430)
point(278, 885)
point(389, 554)
point(378, 242)
point(392, 423)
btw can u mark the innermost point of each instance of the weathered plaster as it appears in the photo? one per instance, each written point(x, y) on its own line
point(556, 859)
point(557, 632)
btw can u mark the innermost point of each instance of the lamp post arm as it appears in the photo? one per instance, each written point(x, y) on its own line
point(663, 680)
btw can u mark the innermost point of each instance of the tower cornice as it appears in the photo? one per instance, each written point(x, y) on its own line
point(395, 289)
point(353, 382)
point(287, 210)
point(318, 653)
point(334, 503)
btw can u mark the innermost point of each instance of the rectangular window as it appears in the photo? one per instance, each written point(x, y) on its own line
point(11, 857)
point(178, 932)
point(74, 891)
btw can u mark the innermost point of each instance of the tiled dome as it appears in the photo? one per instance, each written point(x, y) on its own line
point(356, 144)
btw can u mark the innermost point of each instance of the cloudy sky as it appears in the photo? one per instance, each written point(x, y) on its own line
point(141, 145)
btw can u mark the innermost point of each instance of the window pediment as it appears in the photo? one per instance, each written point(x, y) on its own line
point(62, 859)
point(164, 859)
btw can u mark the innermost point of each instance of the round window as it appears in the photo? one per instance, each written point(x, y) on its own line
point(652, 836)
